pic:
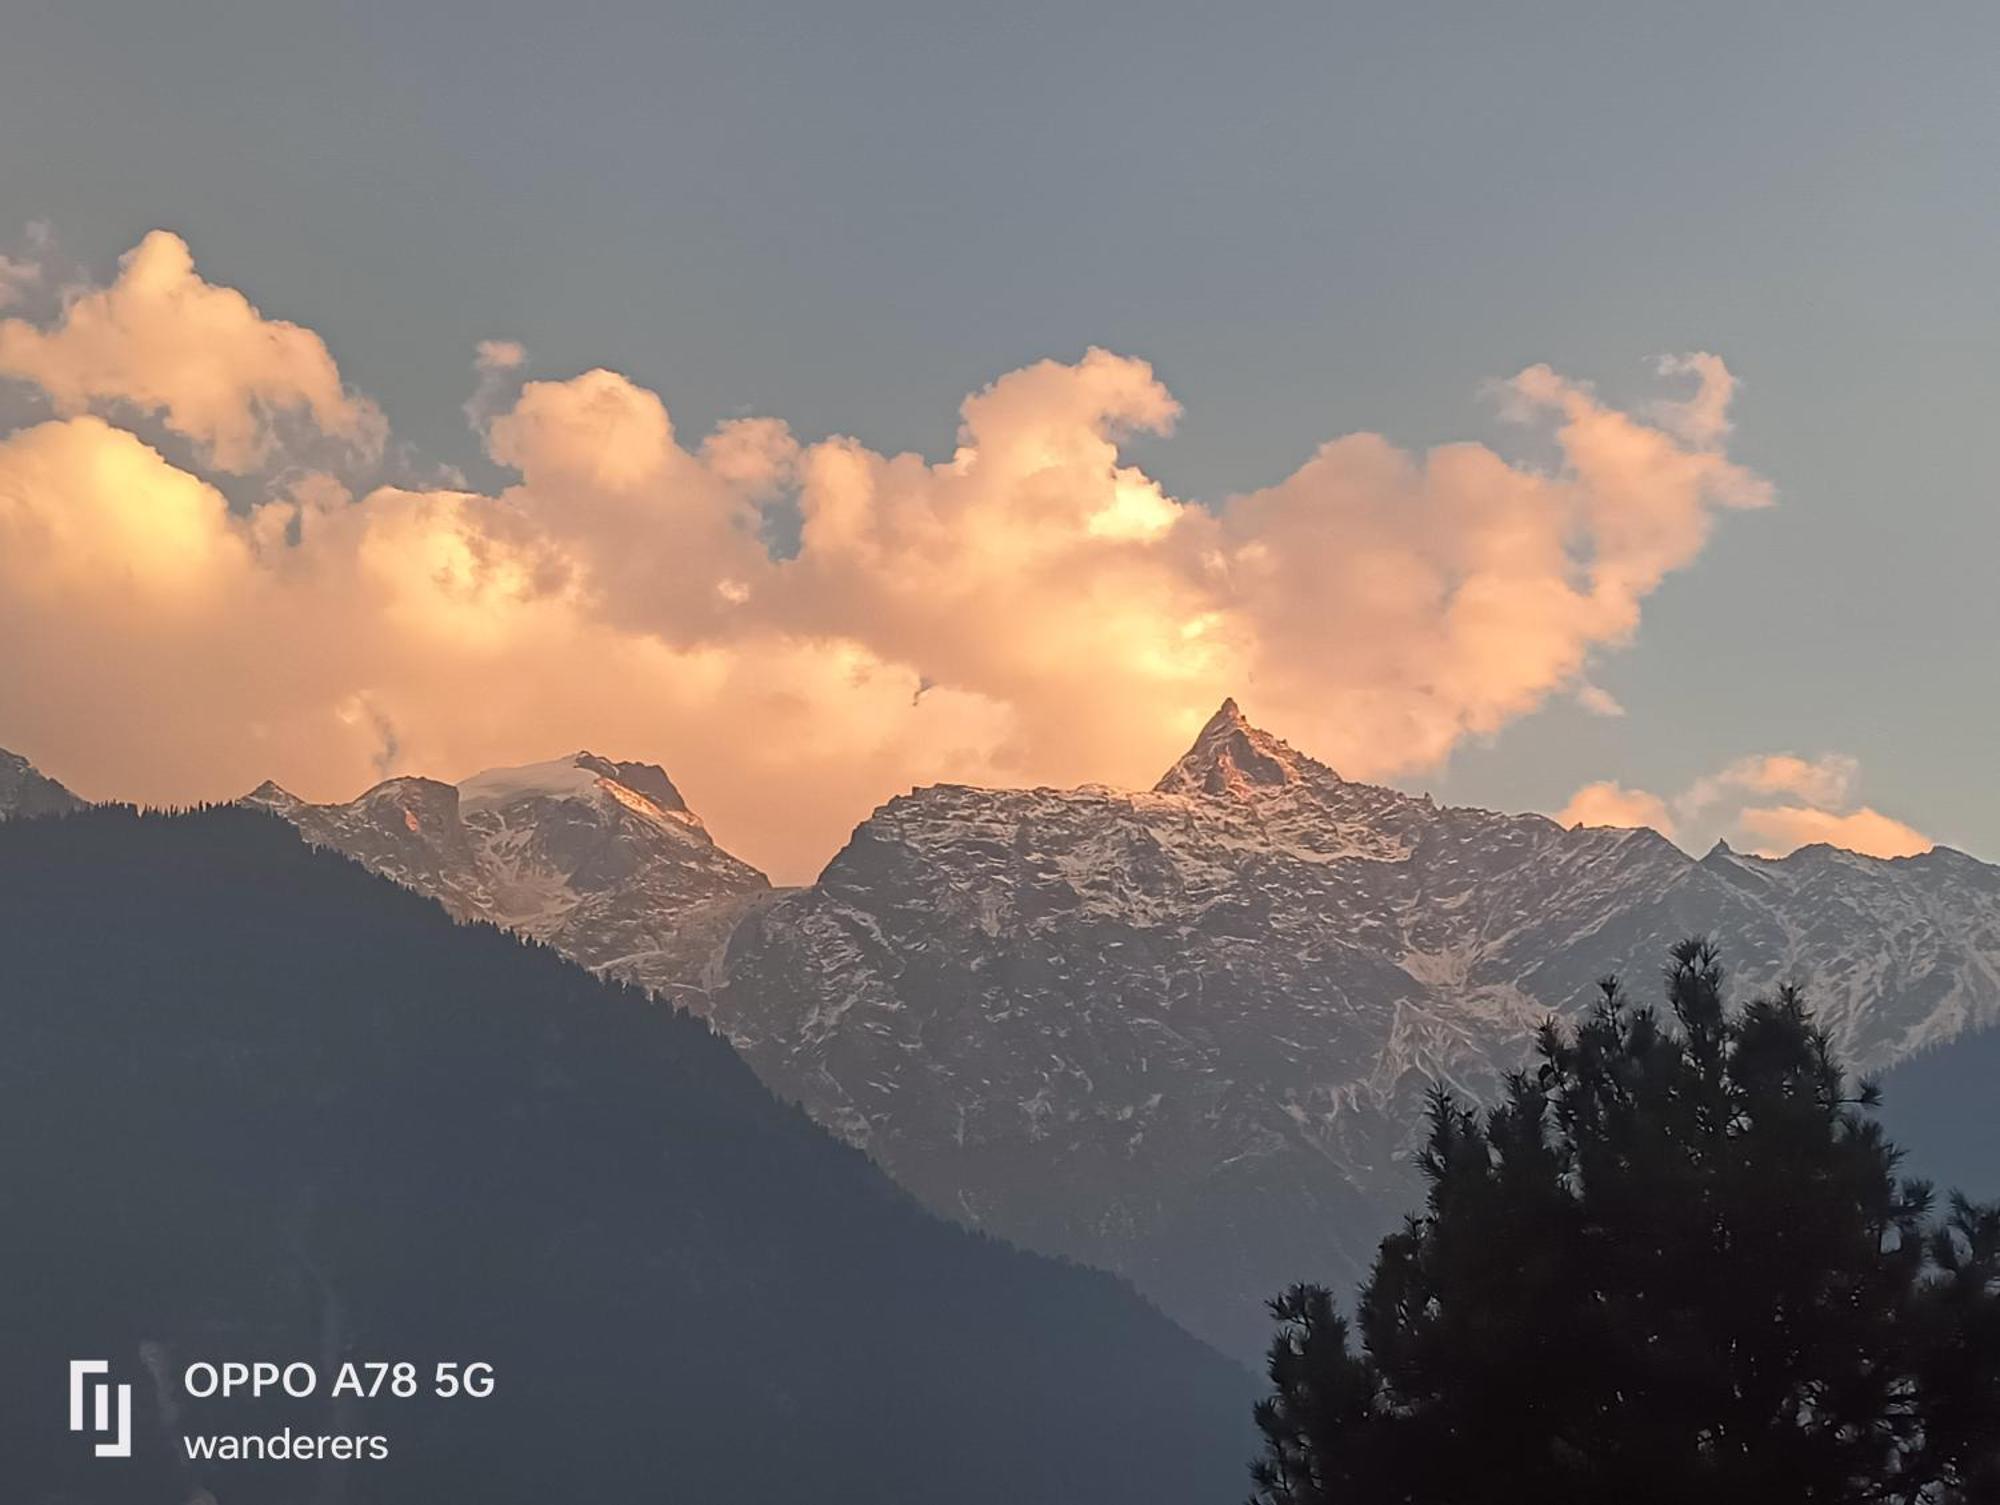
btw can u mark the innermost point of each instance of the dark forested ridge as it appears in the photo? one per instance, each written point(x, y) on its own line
point(255, 1102)
point(1943, 1107)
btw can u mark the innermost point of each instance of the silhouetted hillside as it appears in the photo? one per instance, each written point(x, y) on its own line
point(255, 1102)
point(1940, 1107)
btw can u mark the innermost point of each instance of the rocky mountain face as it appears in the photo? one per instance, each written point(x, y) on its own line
point(25, 790)
point(1184, 1033)
point(602, 860)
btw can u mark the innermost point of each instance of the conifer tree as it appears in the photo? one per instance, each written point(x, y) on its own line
point(1676, 1264)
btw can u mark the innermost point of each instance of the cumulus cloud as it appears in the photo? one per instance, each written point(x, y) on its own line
point(1607, 803)
point(1824, 781)
point(199, 356)
point(1779, 829)
point(1031, 608)
point(1722, 804)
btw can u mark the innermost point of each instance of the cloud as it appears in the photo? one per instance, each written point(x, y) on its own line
point(1779, 829)
point(200, 356)
point(1403, 603)
point(1703, 419)
point(1607, 803)
point(1597, 700)
point(16, 276)
point(499, 355)
point(494, 362)
point(1032, 608)
point(1721, 804)
point(1824, 781)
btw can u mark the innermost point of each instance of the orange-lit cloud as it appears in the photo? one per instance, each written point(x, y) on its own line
point(1607, 803)
point(164, 341)
point(1031, 608)
point(1721, 804)
point(1824, 781)
point(1779, 829)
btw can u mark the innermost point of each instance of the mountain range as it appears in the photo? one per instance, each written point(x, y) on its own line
point(1182, 1033)
point(1186, 1033)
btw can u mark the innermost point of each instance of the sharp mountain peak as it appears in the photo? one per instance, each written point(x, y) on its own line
point(1231, 757)
point(273, 796)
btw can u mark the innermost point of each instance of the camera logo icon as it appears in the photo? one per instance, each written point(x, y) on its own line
point(108, 1416)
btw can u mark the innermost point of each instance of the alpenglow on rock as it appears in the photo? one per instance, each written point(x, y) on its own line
point(1185, 1033)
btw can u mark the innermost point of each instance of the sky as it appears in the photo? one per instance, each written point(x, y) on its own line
point(1566, 407)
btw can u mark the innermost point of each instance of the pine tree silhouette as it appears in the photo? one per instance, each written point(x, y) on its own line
point(1675, 1265)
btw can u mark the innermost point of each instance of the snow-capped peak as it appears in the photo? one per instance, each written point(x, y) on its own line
point(557, 778)
point(600, 857)
point(582, 775)
point(1230, 757)
point(273, 796)
point(26, 790)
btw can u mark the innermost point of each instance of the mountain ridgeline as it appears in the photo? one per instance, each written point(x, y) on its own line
point(1182, 1033)
point(258, 1103)
point(602, 860)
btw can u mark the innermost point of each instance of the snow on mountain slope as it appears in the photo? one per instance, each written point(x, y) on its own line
point(1901, 954)
point(1183, 1033)
point(26, 790)
point(1186, 1033)
point(601, 859)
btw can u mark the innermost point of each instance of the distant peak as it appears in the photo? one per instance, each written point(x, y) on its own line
point(1232, 758)
point(26, 790)
point(581, 775)
point(410, 788)
point(271, 795)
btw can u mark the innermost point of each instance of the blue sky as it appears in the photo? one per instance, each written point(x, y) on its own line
point(1311, 219)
